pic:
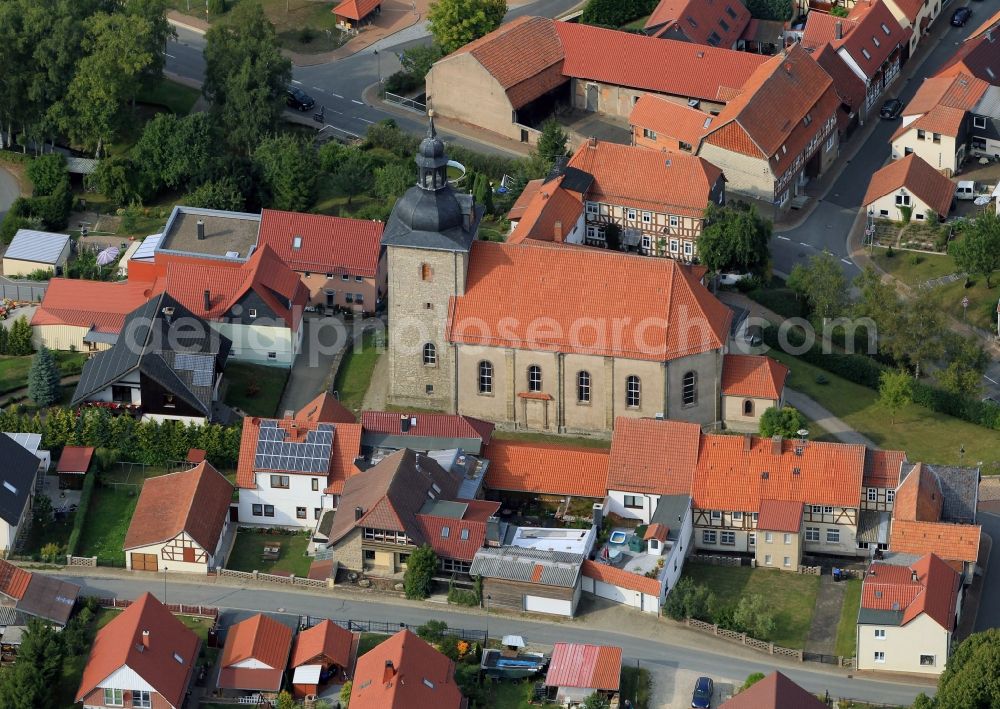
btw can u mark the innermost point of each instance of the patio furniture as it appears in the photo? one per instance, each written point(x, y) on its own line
point(271, 551)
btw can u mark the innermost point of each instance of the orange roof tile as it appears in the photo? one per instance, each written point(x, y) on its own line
point(850, 88)
point(959, 91)
point(699, 21)
point(671, 119)
point(327, 244)
point(346, 449)
point(524, 199)
point(821, 29)
point(324, 640)
point(910, 8)
point(940, 119)
point(547, 468)
point(325, 409)
point(622, 578)
point(75, 459)
point(97, 304)
point(979, 56)
point(194, 501)
point(550, 216)
point(405, 672)
point(917, 176)
point(877, 34)
point(991, 22)
point(585, 666)
point(780, 515)
point(120, 643)
point(526, 284)
point(260, 638)
point(919, 496)
point(753, 375)
point(775, 691)
point(13, 580)
point(356, 10)
point(949, 541)
point(731, 474)
point(882, 468)
point(472, 525)
point(648, 455)
point(656, 531)
point(630, 176)
point(928, 586)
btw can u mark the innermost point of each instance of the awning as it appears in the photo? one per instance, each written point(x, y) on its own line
point(102, 338)
point(307, 674)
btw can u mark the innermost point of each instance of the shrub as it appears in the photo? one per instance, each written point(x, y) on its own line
point(770, 9)
point(432, 631)
point(307, 35)
point(462, 597)
point(81, 514)
point(217, 7)
point(47, 173)
point(403, 82)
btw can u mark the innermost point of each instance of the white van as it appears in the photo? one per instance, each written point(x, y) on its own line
point(966, 190)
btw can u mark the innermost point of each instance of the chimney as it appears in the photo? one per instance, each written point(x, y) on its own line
point(358, 513)
point(747, 441)
point(201, 230)
point(168, 313)
point(838, 30)
point(389, 673)
point(145, 633)
point(913, 576)
point(404, 423)
point(557, 232)
point(208, 299)
point(593, 141)
point(776, 442)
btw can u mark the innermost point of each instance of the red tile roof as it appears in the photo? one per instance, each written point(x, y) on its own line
point(75, 459)
point(402, 673)
point(547, 468)
point(959, 91)
point(882, 468)
point(96, 304)
point(194, 501)
point(260, 638)
point(328, 244)
point(585, 666)
point(524, 199)
point(698, 20)
point(940, 119)
point(875, 21)
point(919, 497)
point(356, 9)
point(753, 375)
point(432, 425)
point(671, 119)
point(472, 525)
point(651, 456)
point(636, 61)
point(656, 531)
point(621, 578)
point(196, 455)
point(550, 216)
point(13, 580)
point(917, 176)
point(780, 516)
point(849, 87)
point(630, 176)
point(821, 29)
point(520, 284)
point(979, 56)
point(325, 640)
point(120, 643)
point(775, 691)
point(325, 409)
point(949, 541)
point(730, 476)
point(346, 449)
point(928, 586)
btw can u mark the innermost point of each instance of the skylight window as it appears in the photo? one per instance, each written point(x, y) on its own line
point(296, 242)
point(866, 54)
point(428, 683)
point(875, 40)
point(10, 487)
point(885, 29)
point(178, 659)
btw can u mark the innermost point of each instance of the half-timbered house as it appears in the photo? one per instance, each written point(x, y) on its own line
point(180, 522)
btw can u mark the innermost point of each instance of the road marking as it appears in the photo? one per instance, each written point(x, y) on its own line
point(784, 238)
point(296, 82)
point(360, 103)
point(990, 379)
point(805, 244)
point(847, 262)
point(171, 56)
point(316, 88)
point(339, 113)
point(365, 120)
point(336, 95)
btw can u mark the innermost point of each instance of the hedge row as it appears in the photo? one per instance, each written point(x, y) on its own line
point(81, 514)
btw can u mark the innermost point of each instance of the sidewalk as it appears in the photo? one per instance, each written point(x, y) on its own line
point(814, 412)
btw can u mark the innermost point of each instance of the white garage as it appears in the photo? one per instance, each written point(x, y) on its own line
point(531, 580)
point(633, 590)
point(552, 606)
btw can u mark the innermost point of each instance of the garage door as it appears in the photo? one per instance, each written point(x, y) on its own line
point(537, 604)
point(611, 592)
point(143, 562)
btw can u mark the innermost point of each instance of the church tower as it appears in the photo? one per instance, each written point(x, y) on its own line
point(427, 238)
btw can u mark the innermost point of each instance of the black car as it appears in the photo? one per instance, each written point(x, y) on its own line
point(891, 108)
point(299, 99)
point(960, 16)
point(702, 697)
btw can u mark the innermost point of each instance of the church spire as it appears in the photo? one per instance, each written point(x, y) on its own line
point(432, 163)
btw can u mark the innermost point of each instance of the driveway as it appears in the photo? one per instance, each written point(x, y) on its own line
point(322, 340)
point(989, 609)
point(8, 191)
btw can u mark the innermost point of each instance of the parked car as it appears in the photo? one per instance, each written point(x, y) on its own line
point(704, 687)
point(966, 190)
point(891, 108)
point(960, 16)
point(298, 99)
point(731, 279)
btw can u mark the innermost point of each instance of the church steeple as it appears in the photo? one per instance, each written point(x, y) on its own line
point(432, 162)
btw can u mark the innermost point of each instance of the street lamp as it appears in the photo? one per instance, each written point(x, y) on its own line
point(164, 585)
point(488, 599)
point(378, 58)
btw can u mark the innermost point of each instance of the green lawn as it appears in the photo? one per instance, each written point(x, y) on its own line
point(249, 545)
point(54, 532)
point(586, 442)
point(268, 381)
point(355, 372)
point(796, 591)
point(175, 97)
point(637, 685)
point(846, 629)
point(924, 434)
point(14, 370)
point(370, 640)
point(108, 517)
point(778, 298)
point(636, 24)
point(316, 16)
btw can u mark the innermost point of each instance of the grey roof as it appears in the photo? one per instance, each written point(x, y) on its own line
point(10, 618)
point(104, 338)
point(468, 468)
point(29, 441)
point(670, 511)
point(574, 178)
point(988, 104)
point(17, 477)
point(37, 246)
point(147, 248)
point(49, 598)
point(81, 166)
point(225, 233)
point(870, 616)
point(517, 564)
point(960, 490)
point(181, 353)
point(873, 526)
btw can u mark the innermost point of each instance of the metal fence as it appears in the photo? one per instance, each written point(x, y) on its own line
point(23, 291)
point(409, 103)
point(386, 627)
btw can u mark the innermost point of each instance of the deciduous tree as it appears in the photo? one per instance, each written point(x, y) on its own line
point(216, 194)
point(392, 180)
point(978, 250)
point(455, 23)
point(354, 174)
point(966, 362)
point(734, 237)
point(821, 281)
point(785, 422)
point(47, 173)
point(418, 60)
point(420, 568)
point(971, 680)
point(173, 152)
point(288, 168)
point(895, 392)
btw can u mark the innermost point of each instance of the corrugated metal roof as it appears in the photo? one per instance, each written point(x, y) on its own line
point(147, 249)
point(81, 166)
point(873, 527)
point(549, 568)
point(36, 246)
point(585, 666)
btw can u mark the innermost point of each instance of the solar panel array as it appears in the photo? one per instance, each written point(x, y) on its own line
point(202, 367)
point(311, 455)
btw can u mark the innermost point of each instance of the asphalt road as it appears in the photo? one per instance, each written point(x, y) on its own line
point(663, 653)
point(989, 610)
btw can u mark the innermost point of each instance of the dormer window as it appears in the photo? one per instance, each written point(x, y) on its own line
point(875, 40)
point(445, 532)
point(296, 242)
point(865, 53)
point(252, 313)
point(885, 29)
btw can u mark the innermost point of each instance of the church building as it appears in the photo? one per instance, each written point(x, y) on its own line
point(541, 336)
